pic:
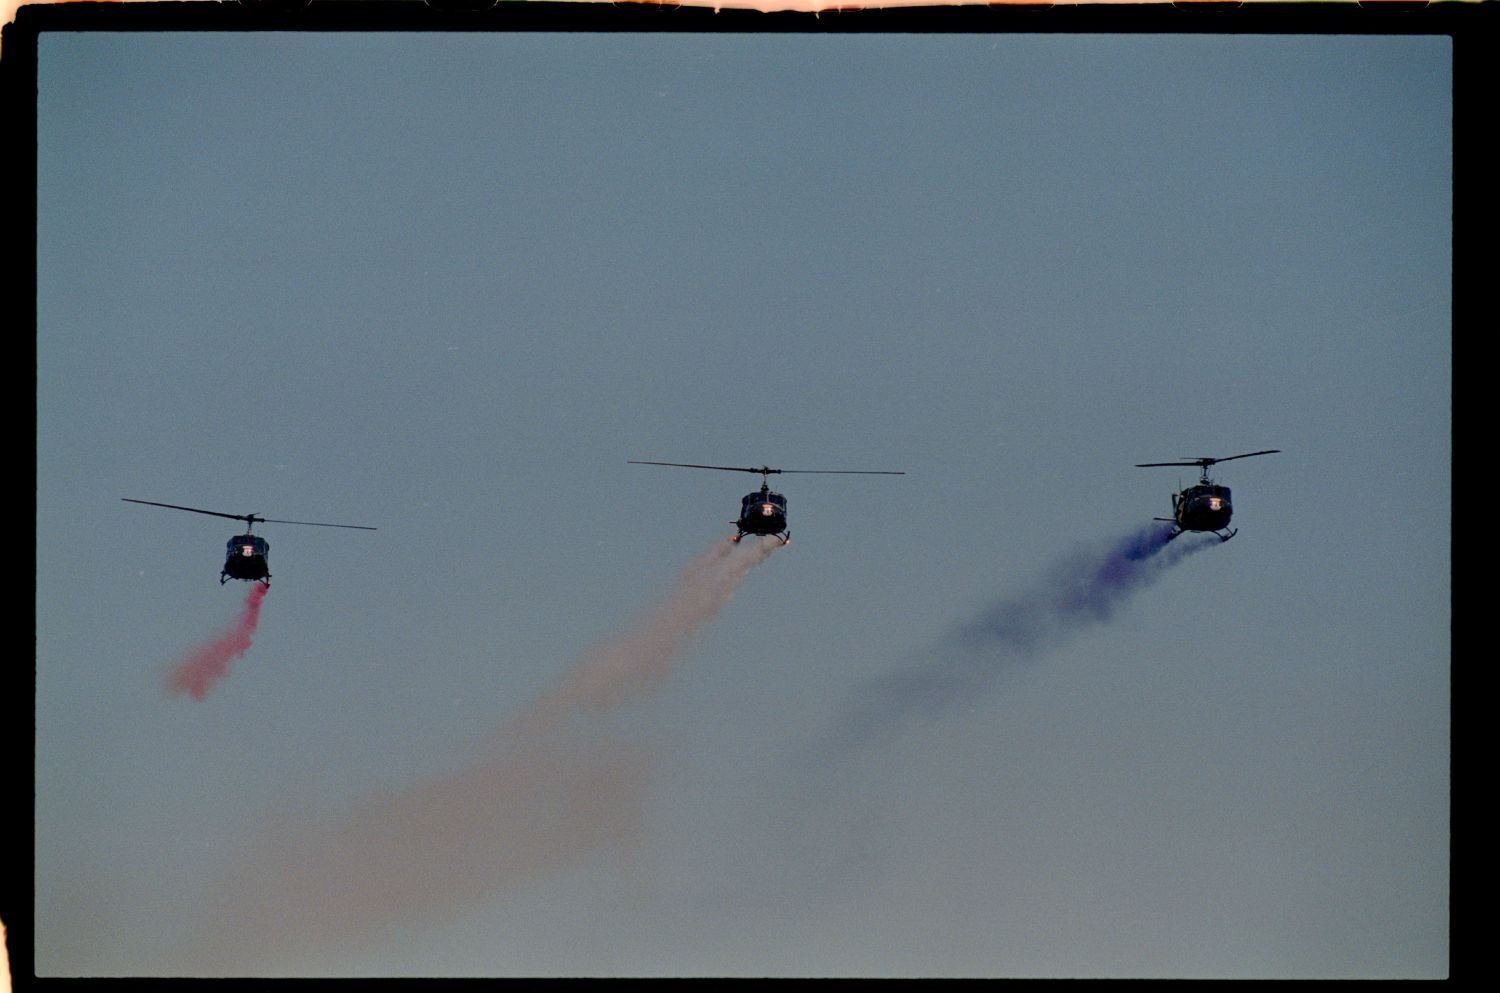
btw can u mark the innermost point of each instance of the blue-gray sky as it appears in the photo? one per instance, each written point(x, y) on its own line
point(447, 284)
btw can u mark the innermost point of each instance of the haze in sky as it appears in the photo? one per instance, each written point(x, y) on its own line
point(546, 720)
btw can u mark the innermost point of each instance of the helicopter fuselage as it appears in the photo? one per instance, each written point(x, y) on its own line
point(1205, 507)
point(247, 558)
point(762, 512)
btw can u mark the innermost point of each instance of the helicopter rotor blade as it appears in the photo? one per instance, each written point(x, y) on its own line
point(767, 470)
point(763, 470)
point(251, 518)
point(1227, 458)
point(212, 513)
point(1204, 463)
point(316, 524)
point(847, 472)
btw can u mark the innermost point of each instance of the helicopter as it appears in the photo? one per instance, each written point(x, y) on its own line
point(764, 511)
point(1205, 506)
point(246, 554)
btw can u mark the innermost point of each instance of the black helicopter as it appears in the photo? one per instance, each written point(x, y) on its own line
point(1205, 506)
point(246, 555)
point(764, 512)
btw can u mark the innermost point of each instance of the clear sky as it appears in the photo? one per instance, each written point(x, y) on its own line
point(446, 285)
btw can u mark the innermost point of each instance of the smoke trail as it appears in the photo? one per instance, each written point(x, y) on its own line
point(317, 880)
point(210, 663)
point(1082, 590)
point(1078, 592)
point(605, 675)
point(542, 794)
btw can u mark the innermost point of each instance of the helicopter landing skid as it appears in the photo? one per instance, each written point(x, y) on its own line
point(224, 578)
point(786, 539)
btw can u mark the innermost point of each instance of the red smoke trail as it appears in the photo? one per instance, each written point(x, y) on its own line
point(210, 663)
point(542, 794)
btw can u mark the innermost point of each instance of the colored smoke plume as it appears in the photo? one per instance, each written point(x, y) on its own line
point(209, 663)
point(1080, 591)
point(637, 660)
point(542, 794)
point(316, 880)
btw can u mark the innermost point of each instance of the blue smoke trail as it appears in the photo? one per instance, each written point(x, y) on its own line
point(1086, 588)
point(1080, 591)
point(838, 841)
